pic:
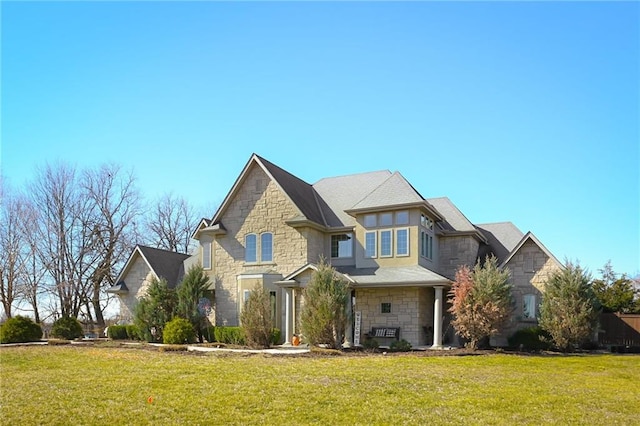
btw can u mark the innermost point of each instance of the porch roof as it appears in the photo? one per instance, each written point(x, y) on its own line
point(393, 277)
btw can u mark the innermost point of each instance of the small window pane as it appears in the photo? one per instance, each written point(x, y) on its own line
point(529, 306)
point(206, 255)
point(385, 308)
point(402, 242)
point(386, 219)
point(402, 218)
point(370, 220)
point(250, 248)
point(385, 243)
point(342, 245)
point(370, 244)
point(266, 247)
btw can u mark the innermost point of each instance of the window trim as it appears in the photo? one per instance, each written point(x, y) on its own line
point(407, 245)
point(375, 244)
point(390, 232)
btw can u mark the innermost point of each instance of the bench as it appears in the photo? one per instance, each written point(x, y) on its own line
point(387, 332)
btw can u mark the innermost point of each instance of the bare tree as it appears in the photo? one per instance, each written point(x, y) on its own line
point(12, 244)
point(171, 223)
point(116, 208)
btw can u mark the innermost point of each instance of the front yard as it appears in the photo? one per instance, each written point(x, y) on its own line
point(102, 385)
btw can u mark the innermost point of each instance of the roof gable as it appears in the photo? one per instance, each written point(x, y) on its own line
point(163, 263)
point(300, 193)
point(502, 238)
point(530, 237)
point(395, 190)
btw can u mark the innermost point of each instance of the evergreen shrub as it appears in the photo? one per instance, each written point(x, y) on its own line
point(230, 335)
point(178, 331)
point(67, 327)
point(20, 329)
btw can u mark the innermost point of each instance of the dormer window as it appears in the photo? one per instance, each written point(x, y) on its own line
point(370, 221)
point(386, 219)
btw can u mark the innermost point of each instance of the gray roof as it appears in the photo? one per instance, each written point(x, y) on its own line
point(405, 275)
point(502, 237)
point(393, 191)
point(339, 193)
point(455, 220)
point(165, 264)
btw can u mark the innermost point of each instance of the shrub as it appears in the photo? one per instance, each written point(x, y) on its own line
point(133, 332)
point(117, 332)
point(209, 333)
point(67, 327)
point(256, 318)
point(155, 309)
point(530, 339)
point(191, 292)
point(178, 331)
point(20, 329)
point(400, 346)
point(230, 335)
point(370, 344)
point(276, 335)
point(173, 348)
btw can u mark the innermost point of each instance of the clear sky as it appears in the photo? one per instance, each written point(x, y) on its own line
point(517, 111)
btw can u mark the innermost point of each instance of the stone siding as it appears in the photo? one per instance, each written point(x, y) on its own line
point(137, 280)
point(455, 251)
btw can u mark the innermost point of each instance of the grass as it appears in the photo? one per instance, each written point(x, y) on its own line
point(107, 385)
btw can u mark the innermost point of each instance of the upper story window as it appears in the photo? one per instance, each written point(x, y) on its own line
point(206, 255)
point(342, 245)
point(252, 249)
point(370, 243)
point(426, 237)
point(386, 219)
point(370, 221)
point(266, 247)
point(402, 242)
point(402, 217)
point(386, 243)
point(426, 222)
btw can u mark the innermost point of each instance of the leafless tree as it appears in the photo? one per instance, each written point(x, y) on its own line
point(170, 224)
point(12, 244)
point(116, 208)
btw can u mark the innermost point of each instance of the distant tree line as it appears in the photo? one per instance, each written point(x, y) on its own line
point(67, 233)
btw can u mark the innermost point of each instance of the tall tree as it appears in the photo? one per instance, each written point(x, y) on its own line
point(116, 208)
point(155, 309)
point(615, 292)
point(569, 309)
point(190, 293)
point(170, 224)
point(324, 317)
point(481, 301)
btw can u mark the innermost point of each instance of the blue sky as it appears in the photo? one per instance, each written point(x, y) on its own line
point(519, 111)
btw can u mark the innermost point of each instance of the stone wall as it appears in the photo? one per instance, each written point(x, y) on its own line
point(137, 280)
point(455, 251)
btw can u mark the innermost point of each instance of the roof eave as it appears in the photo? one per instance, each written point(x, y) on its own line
point(419, 204)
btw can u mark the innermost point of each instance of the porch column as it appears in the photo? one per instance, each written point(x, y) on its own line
point(288, 317)
point(348, 332)
point(437, 318)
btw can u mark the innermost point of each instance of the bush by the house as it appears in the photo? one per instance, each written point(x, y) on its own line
point(209, 333)
point(155, 309)
point(117, 332)
point(67, 327)
point(530, 339)
point(276, 335)
point(178, 331)
point(370, 344)
point(133, 332)
point(400, 346)
point(20, 329)
point(256, 318)
point(230, 335)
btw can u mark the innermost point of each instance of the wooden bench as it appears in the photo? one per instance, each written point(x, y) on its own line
point(386, 332)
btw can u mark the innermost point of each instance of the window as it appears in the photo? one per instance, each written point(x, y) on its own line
point(402, 218)
point(250, 248)
point(246, 295)
point(385, 308)
point(370, 220)
point(386, 219)
point(370, 244)
point(206, 255)
point(386, 243)
point(426, 245)
point(402, 242)
point(342, 245)
point(426, 222)
point(266, 247)
point(529, 306)
point(273, 305)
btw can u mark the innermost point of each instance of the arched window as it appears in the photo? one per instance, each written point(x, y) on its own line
point(266, 247)
point(250, 248)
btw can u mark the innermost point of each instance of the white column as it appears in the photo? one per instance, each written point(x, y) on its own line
point(437, 318)
point(348, 332)
point(288, 310)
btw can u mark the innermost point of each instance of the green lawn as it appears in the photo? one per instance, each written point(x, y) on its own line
point(99, 385)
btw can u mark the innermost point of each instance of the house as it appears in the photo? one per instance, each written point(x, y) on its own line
point(398, 251)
